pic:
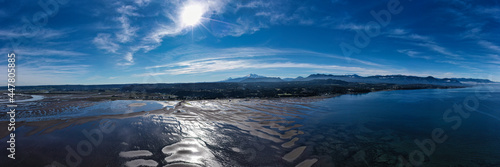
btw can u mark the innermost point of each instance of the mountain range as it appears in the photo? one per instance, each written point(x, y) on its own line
point(393, 79)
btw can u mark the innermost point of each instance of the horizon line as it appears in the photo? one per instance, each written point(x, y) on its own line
point(240, 77)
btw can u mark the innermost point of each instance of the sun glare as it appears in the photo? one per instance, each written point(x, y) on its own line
point(192, 14)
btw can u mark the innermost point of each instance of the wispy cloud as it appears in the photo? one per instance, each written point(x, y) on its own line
point(347, 59)
point(128, 31)
point(409, 36)
point(495, 59)
point(142, 2)
point(196, 53)
point(398, 31)
point(48, 73)
point(440, 49)
point(104, 41)
point(28, 51)
point(193, 67)
point(254, 4)
point(296, 15)
point(204, 60)
point(489, 45)
point(492, 11)
point(129, 60)
point(126, 34)
point(423, 41)
point(352, 26)
point(414, 54)
point(43, 33)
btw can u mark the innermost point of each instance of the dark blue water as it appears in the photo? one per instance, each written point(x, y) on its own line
point(380, 127)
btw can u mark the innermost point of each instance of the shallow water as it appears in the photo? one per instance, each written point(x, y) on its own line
point(27, 111)
point(33, 98)
point(375, 129)
point(380, 127)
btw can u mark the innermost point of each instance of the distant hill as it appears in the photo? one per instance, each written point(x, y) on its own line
point(250, 76)
point(347, 78)
point(392, 79)
point(291, 79)
point(266, 79)
point(471, 80)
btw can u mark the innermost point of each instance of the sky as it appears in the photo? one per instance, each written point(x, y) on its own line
point(59, 42)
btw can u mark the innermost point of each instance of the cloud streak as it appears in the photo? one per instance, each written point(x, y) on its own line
point(196, 67)
point(198, 53)
point(423, 41)
point(41, 34)
point(196, 59)
point(489, 45)
point(28, 51)
point(103, 41)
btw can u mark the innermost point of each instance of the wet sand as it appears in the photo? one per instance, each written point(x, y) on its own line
point(264, 119)
point(289, 144)
point(294, 154)
point(137, 104)
point(307, 163)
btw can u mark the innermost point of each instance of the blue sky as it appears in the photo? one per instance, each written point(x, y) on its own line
point(147, 41)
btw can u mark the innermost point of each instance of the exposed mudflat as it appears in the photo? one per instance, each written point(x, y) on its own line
point(375, 129)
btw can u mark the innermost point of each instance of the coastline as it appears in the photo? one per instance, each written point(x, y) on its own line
point(47, 126)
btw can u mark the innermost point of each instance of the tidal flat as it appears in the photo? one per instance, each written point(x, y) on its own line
point(374, 129)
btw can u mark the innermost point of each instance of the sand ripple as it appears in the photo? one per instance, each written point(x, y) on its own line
point(307, 163)
point(290, 143)
point(137, 153)
point(141, 162)
point(294, 154)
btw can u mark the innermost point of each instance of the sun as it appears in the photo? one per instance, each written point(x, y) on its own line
point(191, 14)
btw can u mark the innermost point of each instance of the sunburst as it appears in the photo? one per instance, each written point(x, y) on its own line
point(192, 14)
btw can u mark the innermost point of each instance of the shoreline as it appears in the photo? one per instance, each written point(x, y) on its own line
point(47, 126)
